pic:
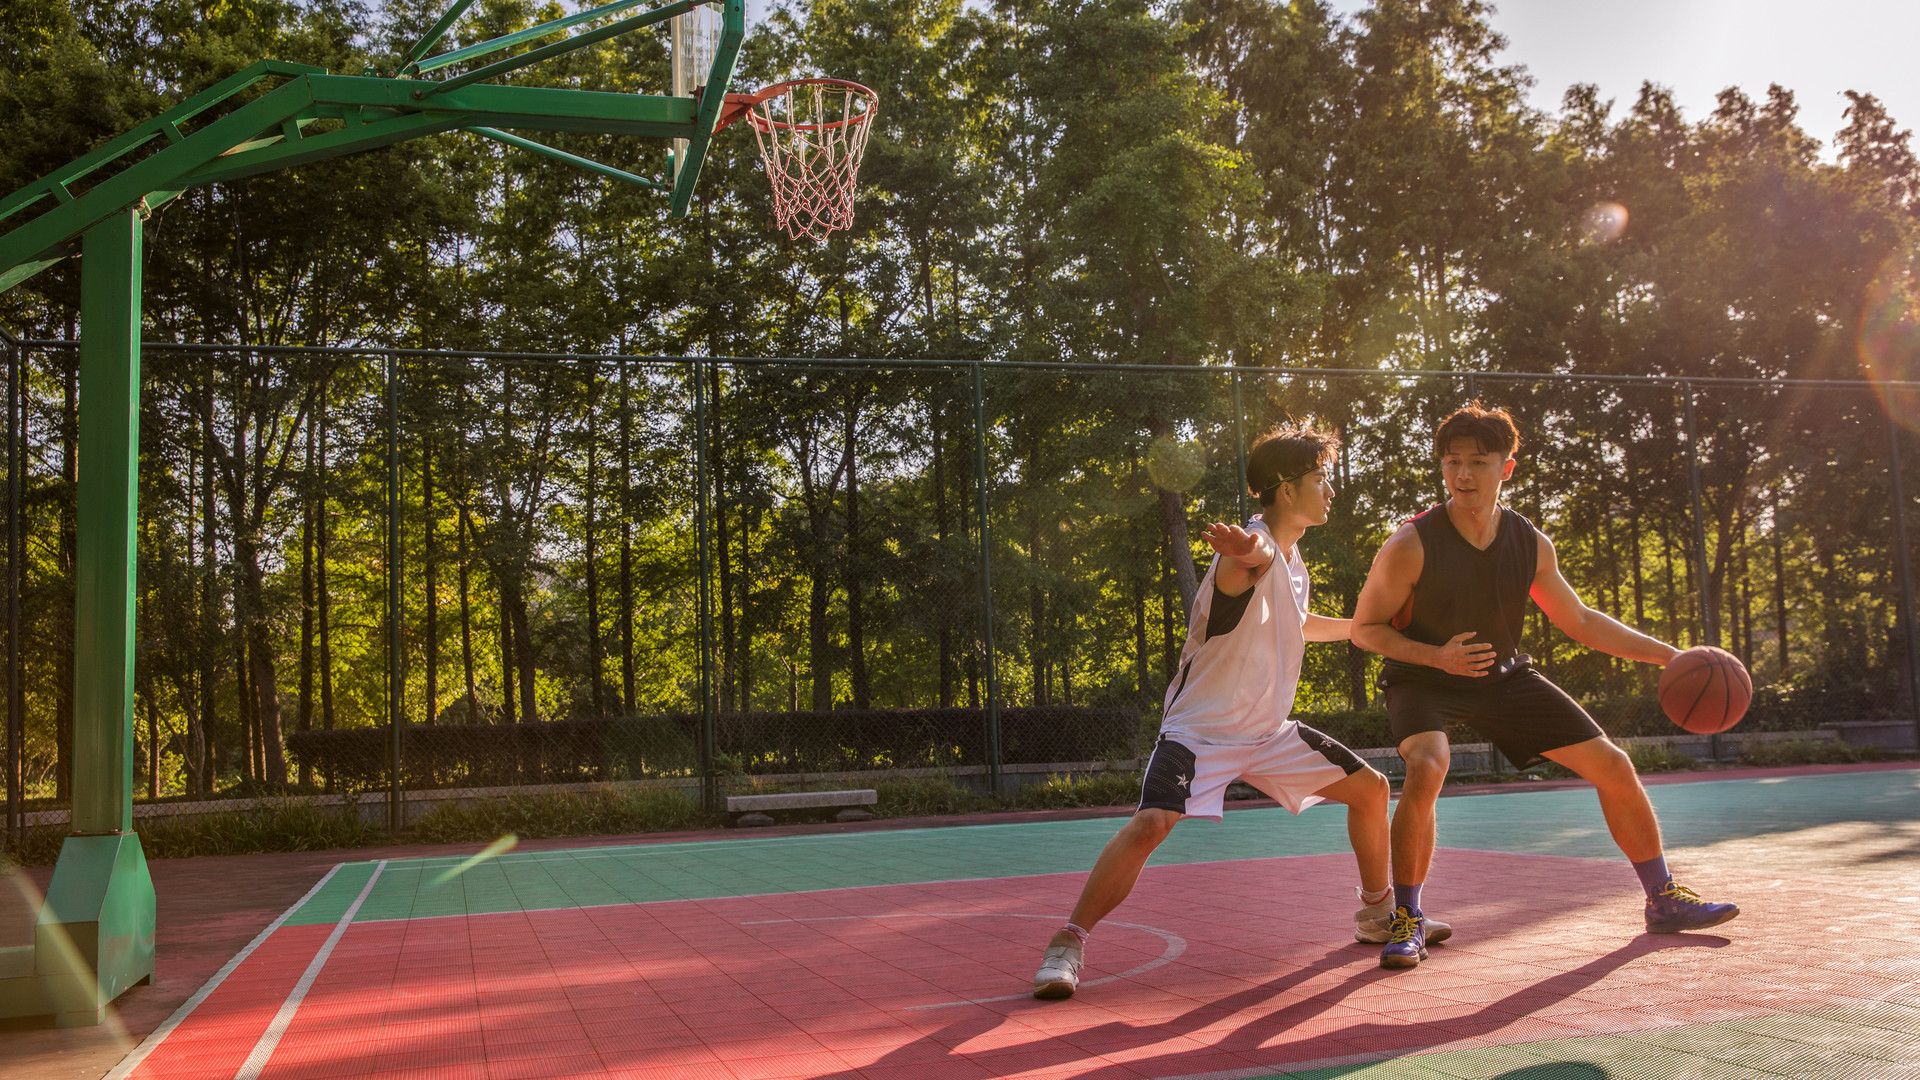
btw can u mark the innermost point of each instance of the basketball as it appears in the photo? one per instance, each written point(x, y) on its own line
point(1705, 690)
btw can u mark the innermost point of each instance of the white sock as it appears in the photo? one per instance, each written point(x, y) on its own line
point(1079, 932)
point(1373, 898)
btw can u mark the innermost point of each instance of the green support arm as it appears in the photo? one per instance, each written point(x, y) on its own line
point(37, 244)
point(733, 28)
point(166, 125)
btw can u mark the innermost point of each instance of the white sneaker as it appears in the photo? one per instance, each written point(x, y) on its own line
point(1373, 923)
point(1059, 974)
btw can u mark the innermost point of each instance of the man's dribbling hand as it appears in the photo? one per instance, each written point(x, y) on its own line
point(1460, 657)
point(1231, 540)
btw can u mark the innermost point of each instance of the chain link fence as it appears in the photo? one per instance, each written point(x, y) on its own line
point(482, 571)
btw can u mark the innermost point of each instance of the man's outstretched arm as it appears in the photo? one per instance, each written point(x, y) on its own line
point(1396, 569)
point(1244, 555)
point(1594, 629)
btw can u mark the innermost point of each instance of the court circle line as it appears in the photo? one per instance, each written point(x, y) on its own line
point(1176, 945)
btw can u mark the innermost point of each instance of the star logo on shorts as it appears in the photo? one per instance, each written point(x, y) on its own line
point(1183, 782)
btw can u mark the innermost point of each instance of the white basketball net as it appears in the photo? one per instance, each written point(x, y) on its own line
point(812, 136)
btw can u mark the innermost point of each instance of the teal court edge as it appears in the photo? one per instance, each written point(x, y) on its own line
point(272, 115)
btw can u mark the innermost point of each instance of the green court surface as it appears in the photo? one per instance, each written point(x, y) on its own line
point(1711, 822)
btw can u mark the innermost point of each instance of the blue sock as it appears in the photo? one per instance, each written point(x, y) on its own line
point(1653, 874)
point(1407, 896)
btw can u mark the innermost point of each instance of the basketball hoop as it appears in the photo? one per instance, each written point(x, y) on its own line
point(812, 135)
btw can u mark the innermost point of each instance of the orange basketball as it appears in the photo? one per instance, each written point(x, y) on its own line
point(1705, 690)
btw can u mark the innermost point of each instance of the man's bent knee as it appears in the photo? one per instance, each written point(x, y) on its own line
point(1151, 825)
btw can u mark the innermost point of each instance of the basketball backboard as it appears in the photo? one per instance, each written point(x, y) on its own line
point(693, 40)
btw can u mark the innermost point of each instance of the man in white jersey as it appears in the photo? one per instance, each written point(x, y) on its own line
point(1226, 713)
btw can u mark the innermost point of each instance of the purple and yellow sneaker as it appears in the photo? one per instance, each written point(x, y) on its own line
point(1676, 908)
point(1408, 945)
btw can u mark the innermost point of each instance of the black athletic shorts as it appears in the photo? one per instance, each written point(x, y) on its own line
point(1524, 714)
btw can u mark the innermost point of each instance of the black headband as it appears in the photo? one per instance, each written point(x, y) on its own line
point(1269, 489)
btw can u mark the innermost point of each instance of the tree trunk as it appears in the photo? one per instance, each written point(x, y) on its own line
point(626, 547)
point(466, 617)
point(1174, 517)
point(209, 579)
point(272, 758)
point(516, 604)
point(430, 588)
point(306, 597)
point(508, 699)
point(852, 569)
point(594, 654)
point(943, 598)
point(1779, 590)
point(729, 644)
point(69, 555)
point(818, 644)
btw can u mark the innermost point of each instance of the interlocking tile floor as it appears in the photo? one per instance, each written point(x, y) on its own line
point(907, 955)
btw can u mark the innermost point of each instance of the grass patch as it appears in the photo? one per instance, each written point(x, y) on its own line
point(1810, 752)
point(590, 813)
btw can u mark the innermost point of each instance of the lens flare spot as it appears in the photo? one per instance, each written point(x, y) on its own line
point(1603, 223)
point(1889, 337)
point(1175, 465)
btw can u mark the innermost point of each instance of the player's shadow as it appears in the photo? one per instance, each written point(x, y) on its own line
point(1388, 1036)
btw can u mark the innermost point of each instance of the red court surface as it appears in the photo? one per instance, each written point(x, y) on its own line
point(1235, 967)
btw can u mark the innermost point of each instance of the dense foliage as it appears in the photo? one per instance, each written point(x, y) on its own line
point(1210, 185)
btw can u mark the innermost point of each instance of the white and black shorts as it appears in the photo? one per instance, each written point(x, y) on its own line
point(1189, 775)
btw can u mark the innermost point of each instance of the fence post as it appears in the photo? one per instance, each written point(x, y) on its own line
point(1240, 447)
point(396, 683)
point(709, 782)
point(992, 672)
point(1473, 387)
point(1902, 564)
point(16, 695)
point(1709, 616)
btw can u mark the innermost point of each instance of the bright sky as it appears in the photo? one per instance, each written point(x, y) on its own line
point(1696, 48)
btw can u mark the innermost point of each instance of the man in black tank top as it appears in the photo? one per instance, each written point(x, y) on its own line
point(1445, 604)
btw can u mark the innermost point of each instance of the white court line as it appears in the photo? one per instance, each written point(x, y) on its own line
point(270, 1038)
point(152, 1042)
point(1176, 945)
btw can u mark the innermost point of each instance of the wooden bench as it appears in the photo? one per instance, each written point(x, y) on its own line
point(750, 811)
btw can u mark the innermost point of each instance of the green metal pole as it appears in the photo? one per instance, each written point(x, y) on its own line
point(94, 935)
point(986, 579)
point(109, 468)
point(395, 680)
point(16, 694)
point(1240, 447)
point(709, 782)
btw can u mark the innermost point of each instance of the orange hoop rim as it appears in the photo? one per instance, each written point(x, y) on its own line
point(740, 106)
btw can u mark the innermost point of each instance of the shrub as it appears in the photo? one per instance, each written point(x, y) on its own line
point(920, 796)
point(645, 809)
point(638, 747)
point(1809, 752)
point(1058, 792)
point(276, 826)
point(1660, 757)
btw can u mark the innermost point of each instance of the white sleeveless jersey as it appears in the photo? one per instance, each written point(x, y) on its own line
point(1238, 685)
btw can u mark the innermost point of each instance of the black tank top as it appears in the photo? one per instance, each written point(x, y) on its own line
point(1462, 588)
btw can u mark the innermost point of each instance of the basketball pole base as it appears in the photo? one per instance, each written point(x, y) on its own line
point(94, 938)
